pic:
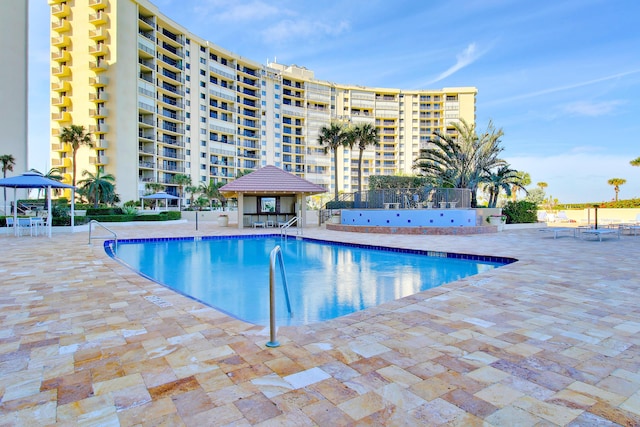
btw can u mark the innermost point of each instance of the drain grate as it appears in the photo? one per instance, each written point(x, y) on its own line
point(158, 301)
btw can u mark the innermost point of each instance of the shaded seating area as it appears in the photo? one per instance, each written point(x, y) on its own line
point(270, 196)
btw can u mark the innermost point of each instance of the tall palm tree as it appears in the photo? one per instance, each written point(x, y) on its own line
point(460, 162)
point(542, 185)
point(362, 136)
point(331, 138)
point(8, 162)
point(502, 178)
point(98, 187)
point(181, 181)
point(77, 137)
point(616, 182)
point(635, 162)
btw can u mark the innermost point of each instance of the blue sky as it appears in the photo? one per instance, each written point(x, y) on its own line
point(560, 77)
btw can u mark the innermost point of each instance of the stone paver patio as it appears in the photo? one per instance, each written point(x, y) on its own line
point(550, 340)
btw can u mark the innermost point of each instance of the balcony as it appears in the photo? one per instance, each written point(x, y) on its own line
point(101, 128)
point(98, 66)
point(99, 160)
point(60, 10)
point(61, 56)
point(61, 41)
point(98, 97)
point(98, 34)
point(62, 26)
point(146, 165)
point(61, 163)
point(98, 113)
point(101, 144)
point(59, 147)
point(98, 81)
point(99, 49)
point(62, 86)
point(61, 71)
point(97, 4)
point(98, 18)
point(61, 117)
point(61, 101)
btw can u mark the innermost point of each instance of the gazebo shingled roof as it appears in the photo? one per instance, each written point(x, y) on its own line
point(271, 180)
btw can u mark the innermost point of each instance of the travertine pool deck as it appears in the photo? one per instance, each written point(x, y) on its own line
point(550, 340)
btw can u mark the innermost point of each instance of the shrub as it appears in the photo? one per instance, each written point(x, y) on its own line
point(521, 212)
point(66, 221)
point(104, 211)
point(162, 216)
point(112, 218)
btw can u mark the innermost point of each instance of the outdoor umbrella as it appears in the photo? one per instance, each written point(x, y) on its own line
point(35, 180)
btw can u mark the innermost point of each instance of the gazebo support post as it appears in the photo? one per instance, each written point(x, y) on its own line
point(240, 210)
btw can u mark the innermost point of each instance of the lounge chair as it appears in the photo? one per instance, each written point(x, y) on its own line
point(562, 217)
point(542, 216)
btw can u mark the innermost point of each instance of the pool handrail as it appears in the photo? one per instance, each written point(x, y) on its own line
point(93, 221)
point(284, 227)
point(276, 253)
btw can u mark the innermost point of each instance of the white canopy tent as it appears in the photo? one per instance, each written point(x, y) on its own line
point(35, 180)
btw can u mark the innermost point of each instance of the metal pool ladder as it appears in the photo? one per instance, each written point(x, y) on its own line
point(276, 253)
point(93, 221)
point(287, 225)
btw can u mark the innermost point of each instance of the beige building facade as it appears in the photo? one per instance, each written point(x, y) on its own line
point(160, 102)
point(14, 88)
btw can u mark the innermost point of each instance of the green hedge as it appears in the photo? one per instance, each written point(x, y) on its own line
point(104, 211)
point(521, 212)
point(59, 221)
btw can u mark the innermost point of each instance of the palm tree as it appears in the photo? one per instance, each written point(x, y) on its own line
point(502, 178)
point(98, 187)
point(542, 185)
point(192, 190)
point(362, 136)
point(460, 162)
point(616, 182)
point(635, 162)
point(212, 191)
point(331, 138)
point(181, 181)
point(522, 181)
point(154, 187)
point(54, 174)
point(77, 137)
point(8, 162)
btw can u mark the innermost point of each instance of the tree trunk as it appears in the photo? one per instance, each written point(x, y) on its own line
point(335, 172)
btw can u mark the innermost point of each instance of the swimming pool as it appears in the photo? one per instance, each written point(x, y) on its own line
point(326, 279)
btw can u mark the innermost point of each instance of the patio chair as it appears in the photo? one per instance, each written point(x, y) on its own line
point(25, 224)
point(10, 224)
point(562, 217)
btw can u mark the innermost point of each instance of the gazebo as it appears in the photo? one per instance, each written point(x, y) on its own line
point(161, 195)
point(270, 195)
point(35, 180)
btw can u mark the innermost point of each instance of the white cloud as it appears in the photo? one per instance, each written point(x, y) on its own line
point(466, 57)
point(591, 109)
point(290, 29)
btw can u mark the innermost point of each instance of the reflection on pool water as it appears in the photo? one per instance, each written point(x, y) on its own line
point(326, 280)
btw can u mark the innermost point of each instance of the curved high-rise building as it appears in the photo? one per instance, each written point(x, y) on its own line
point(160, 102)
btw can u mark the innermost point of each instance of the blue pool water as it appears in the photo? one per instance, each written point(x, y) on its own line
point(326, 280)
